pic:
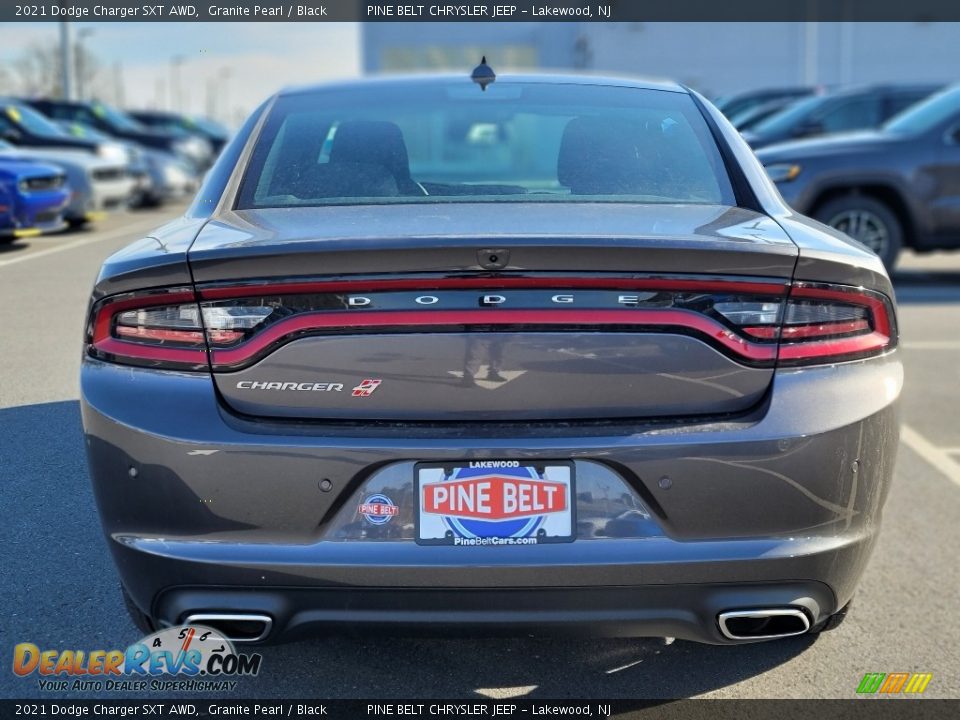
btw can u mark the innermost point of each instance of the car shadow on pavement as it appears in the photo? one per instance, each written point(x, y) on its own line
point(522, 667)
point(11, 248)
point(61, 591)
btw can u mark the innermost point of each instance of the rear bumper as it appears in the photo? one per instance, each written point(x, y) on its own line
point(688, 612)
point(52, 225)
point(204, 511)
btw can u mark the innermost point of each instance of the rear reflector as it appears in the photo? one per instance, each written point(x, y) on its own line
point(756, 323)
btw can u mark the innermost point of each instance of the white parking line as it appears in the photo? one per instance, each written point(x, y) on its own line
point(505, 693)
point(937, 457)
point(931, 345)
point(629, 665)
point(133, 230)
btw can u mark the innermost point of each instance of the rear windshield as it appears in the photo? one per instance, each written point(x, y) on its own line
point(435, 142)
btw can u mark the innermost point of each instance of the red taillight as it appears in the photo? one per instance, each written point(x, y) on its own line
point(827, 323)
point(230, 327)
point(158, 328)
point(820, 330)
point(159, 335)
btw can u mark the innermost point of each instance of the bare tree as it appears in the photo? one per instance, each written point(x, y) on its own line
point(7, 84)
point(37, 70)
point(86, 67)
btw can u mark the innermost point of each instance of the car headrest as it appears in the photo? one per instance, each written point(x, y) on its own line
point(603, 156)
point(372, 142)
point(343, 180)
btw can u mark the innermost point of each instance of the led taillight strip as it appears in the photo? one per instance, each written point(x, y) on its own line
point(185, 357)
point(105, 344)
point(812, 330)
point(160, 334)
point(387, 319)
point(836, 347)
point(815, 330)
point(345, 320)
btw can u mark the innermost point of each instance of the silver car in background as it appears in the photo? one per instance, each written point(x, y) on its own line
point(98, 184)
point(158, 176)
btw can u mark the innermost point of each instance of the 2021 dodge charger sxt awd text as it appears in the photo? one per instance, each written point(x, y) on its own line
point(547, 354)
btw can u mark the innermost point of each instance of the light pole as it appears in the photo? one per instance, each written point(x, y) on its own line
point(118, 90)
point(66, 86)
point(810, 41)
point(80, 65)
point(175, 98)
point(224, 78)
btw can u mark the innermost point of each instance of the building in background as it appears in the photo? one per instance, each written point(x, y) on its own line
point(715, 58)
point(410, 47)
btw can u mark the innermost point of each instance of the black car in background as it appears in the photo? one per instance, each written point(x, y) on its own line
point(119, 124)
point(856, 109)
point(21, 125)
point(893, 188)
point(756, 114)
point(158, 176)
point(740, 103)
point(212, 131)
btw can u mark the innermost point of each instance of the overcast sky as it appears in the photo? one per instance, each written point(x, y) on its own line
point(259, 58)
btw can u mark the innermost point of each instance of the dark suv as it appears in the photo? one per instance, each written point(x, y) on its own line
point(106, 119)
point(896, 187)
point(195, 151)
point(175, 123)
point(855, 109)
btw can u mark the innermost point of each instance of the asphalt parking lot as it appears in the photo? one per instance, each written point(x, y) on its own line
point(59, 588)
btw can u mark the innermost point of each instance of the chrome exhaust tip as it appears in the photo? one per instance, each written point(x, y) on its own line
point(235, 627)
point(763, 624)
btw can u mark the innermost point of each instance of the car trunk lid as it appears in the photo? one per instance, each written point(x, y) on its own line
point(490, 312)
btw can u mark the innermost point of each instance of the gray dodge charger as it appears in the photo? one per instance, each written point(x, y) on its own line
point(517, 354)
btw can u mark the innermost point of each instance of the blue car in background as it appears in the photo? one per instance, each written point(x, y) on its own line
point(32, 198)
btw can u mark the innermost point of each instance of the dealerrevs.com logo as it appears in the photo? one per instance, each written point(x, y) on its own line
point(199, 658)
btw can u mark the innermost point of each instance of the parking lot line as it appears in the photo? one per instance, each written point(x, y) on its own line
point(132, 229)
point(937, 457)
point(932, 345)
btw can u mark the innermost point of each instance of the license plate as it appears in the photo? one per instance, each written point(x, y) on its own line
point(495, 502)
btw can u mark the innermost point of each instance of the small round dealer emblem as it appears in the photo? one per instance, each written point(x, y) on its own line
point(378, 509)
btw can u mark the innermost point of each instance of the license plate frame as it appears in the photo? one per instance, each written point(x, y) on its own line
point(513, 490)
